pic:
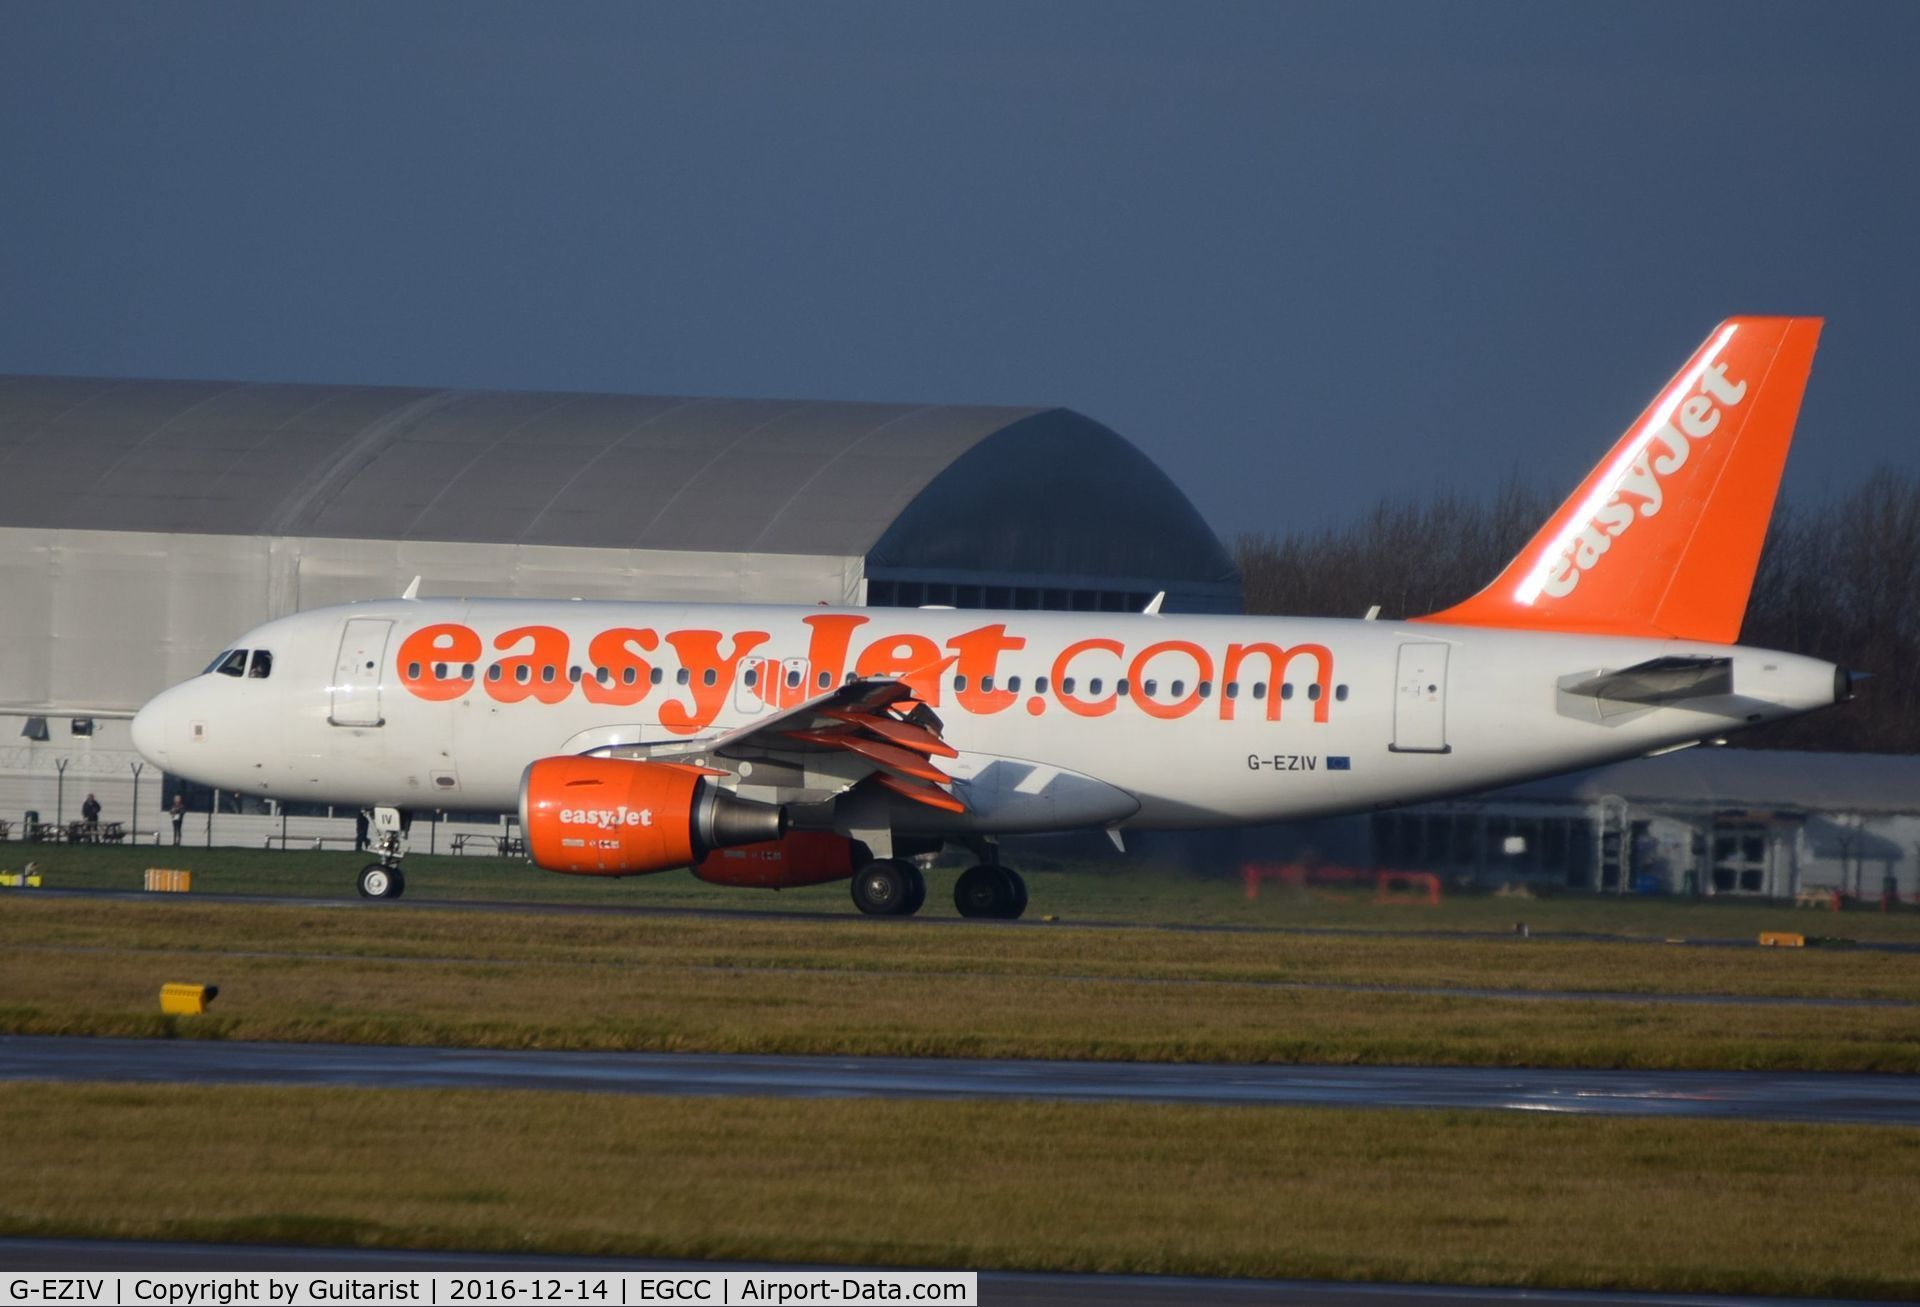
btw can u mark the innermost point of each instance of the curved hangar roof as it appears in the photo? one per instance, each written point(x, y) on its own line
point(911, 488)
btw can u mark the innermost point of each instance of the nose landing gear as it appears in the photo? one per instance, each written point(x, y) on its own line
point(382, 879)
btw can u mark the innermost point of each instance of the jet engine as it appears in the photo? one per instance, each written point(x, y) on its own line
point(611, 817)
point(801, 857)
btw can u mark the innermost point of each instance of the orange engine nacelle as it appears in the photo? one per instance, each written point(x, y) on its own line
point(802, 857)
point(609, 817)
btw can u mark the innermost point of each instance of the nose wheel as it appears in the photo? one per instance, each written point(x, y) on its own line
point(997, 892)
point(379, 880)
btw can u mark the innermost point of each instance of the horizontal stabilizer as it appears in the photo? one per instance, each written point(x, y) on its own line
point(1660, 681)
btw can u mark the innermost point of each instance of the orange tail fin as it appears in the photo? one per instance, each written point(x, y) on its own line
point(1662, 538)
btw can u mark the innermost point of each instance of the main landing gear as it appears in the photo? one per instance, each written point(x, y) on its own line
point(894, 887)
point(889, 887)
point(382, 879)
point(990, 891)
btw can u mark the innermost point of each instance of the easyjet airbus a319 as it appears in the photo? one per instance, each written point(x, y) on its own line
point(778, 746)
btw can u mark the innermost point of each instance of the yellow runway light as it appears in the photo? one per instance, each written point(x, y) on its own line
point(186, 1000)
point(1781, 939)
point(168, 880)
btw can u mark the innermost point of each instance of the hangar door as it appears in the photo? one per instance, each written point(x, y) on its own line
point(356, 675)
point(1420, 700)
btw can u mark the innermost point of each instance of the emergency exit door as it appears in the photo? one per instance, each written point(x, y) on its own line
point(357, 672)
point(1420, 700)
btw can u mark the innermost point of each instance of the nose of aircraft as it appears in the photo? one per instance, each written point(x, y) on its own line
point(150, 733)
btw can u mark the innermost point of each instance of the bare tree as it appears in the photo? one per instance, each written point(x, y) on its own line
point(1839, 581)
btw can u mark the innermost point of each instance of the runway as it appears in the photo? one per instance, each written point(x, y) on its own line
point(999, 1288)
point(909, 923)
point(1825, 1098)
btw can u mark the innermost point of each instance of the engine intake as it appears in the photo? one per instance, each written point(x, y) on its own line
point(611, 817)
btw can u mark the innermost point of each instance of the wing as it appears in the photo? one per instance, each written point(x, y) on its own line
point(863, 732)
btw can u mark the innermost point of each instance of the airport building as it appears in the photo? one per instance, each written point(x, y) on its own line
point(1709, 822)
point(144, 522)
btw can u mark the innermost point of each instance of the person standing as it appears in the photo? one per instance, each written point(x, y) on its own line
point(90, 814)
point(179, 814)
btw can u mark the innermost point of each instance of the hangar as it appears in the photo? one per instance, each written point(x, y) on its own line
point(142, 522)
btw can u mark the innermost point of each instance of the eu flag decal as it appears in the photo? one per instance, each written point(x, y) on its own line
point(1339, 762)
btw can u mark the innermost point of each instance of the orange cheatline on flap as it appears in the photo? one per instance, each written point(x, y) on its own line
point(1663, 537)
point(921, 793)
point(904, 734)
point(887, 755)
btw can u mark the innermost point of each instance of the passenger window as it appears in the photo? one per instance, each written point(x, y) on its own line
point(1340, 693)
point(604, 675)
point(682, 677)
point(1177, 689)
point(1066, 685)
point(1286, 690)
point(413, 671)
point(493, 672)
point(548, 673)
point(1206, 689)
point(1093, 686)
point(1039, 685)
point(234, 664)
point(628, 675)
point(826, 679)
point(1233, 689)
point(986, 685)
point(959, 684)
point(654, 677)
point(1121, 688)
point(573, 674)
point(439, 671)
point(1148, 687)
point(262, 665)
point(1313, 691)
point(753, 674)
point(1259, 689)
point(1013, 684)
point(708, 677)
point(793, 678)
point(523, 673)
point(466, 672)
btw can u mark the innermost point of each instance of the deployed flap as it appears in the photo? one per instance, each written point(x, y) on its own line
point(1660, 681)
point(876, 722)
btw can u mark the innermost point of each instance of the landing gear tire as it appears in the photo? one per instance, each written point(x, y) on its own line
point(888, 888)
point(996, 892)
point(380, 881)
point(1019, 893)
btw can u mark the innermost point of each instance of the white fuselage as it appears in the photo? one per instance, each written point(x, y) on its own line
point(1225, 720)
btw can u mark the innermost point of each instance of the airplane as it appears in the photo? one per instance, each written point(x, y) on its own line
point(774, 746)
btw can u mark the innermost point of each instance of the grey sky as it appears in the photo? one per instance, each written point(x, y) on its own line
point(1301, 254)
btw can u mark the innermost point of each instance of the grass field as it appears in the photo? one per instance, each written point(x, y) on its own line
point(1145, 894)
point(413, 975)
point(1465, 1198)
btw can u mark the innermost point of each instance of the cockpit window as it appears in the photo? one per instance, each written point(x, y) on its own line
point(218, 658)
point(262, 665)
point(234, 664)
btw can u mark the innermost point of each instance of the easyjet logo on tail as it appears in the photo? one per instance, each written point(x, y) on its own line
point(1633, 487)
